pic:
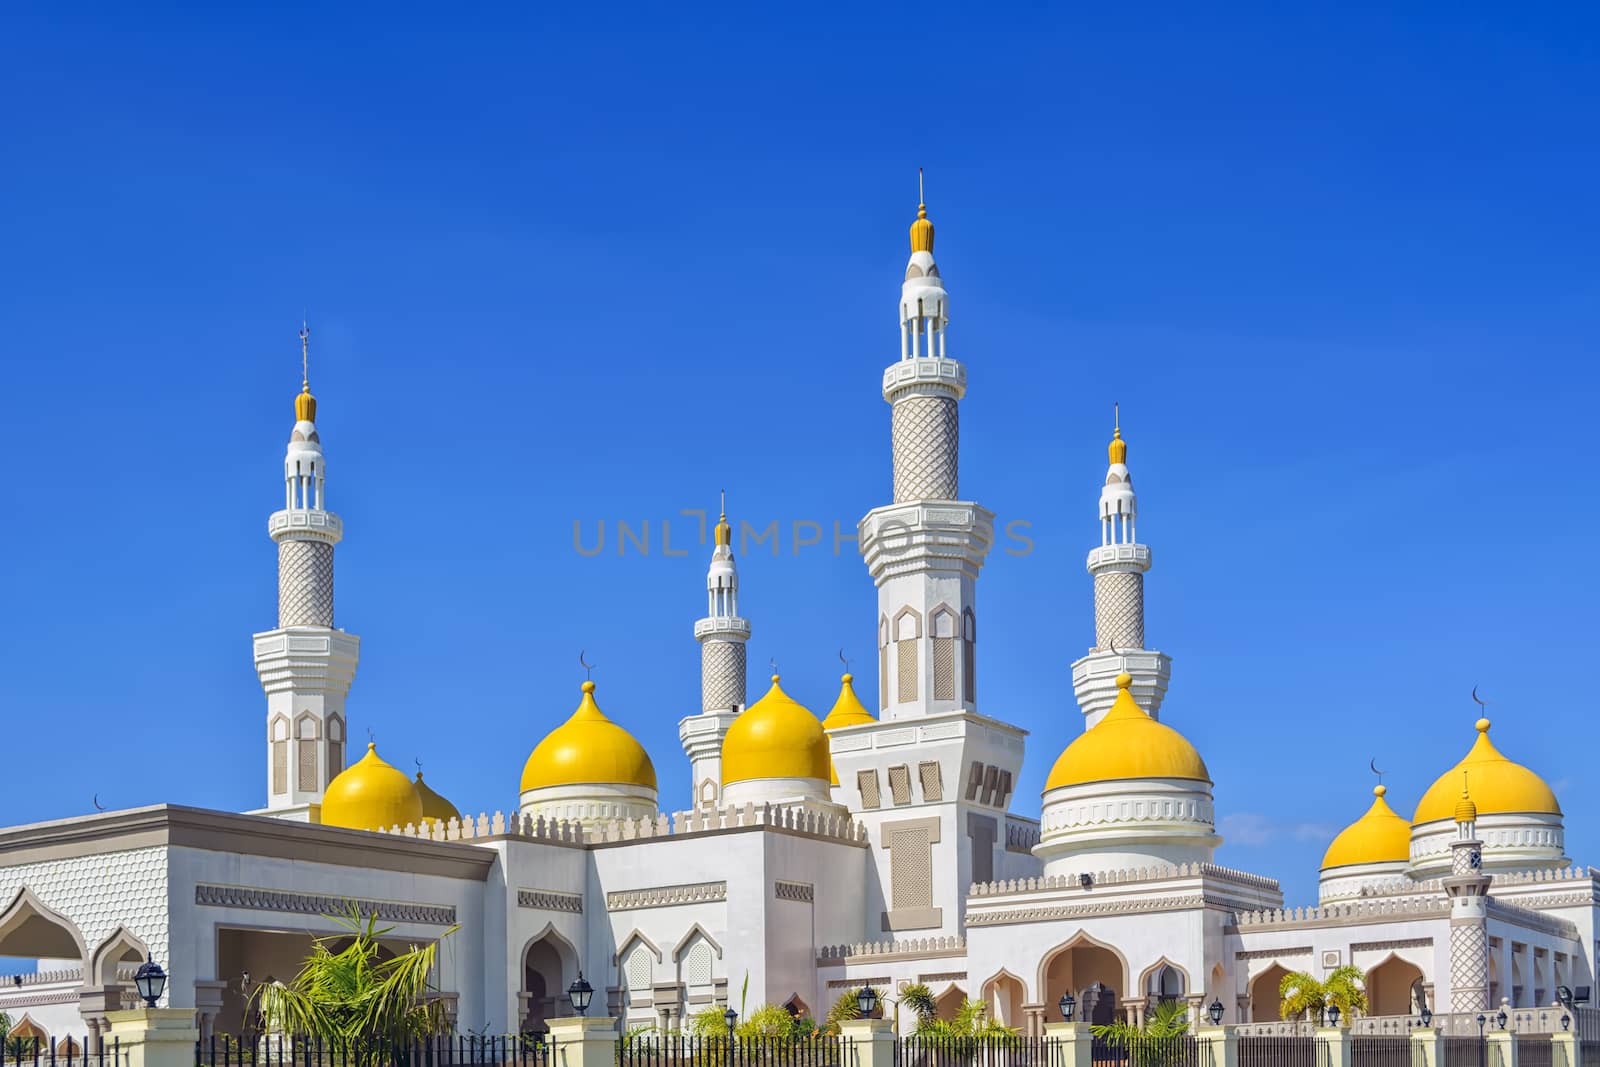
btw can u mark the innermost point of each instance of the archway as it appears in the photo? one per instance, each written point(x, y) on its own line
point(1165, 982)
point(948, 1004)
point(121, 947)
point(31, 931)
point(1390, 987)
point(1004, 995)
point(1265, 1000)
point(1096, 974)
point(544, 979)
point(27, 1039)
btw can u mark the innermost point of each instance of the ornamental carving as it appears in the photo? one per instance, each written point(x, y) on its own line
point(238, 896)
point(667, 896)
point(549, 900)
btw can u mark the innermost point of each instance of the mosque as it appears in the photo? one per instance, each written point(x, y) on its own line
point(874, 844)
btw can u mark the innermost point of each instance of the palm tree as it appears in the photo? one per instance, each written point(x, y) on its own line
point(1158, 1041)
point(354, 994)
point(1302, 994)
point(919, 998)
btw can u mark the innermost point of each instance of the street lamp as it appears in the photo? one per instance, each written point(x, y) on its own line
point(1333, 1015)
point(1566, 1022)
point(1481, 1021)
point(151, 981)
point(1069, 1004)
point(866, 1001)
point(580, 993)
point(1214, 1013)
point(1427, 1017)
point(1500, 1019)
point(730, 1017)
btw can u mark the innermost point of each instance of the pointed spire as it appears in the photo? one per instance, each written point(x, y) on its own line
point(1117, 450)
point(922, 229)
point(723, 534)
point(305, 405)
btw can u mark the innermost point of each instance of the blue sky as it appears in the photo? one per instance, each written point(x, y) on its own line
point(1338, 266)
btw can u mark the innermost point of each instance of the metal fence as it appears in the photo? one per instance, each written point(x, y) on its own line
point(1283, 1052)
point(681, 1050)
point(1465, 1051)
point(931, 1050)
point(442, 1050)
point(59, 1052)
point(1375, 1050)
point(1144, 1051)
point(1534, 1050)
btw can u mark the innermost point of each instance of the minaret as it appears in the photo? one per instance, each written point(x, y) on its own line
point(925, 549)
point(305, 665)
point(1468, 889)
point(722, 635)
point(1118, 565)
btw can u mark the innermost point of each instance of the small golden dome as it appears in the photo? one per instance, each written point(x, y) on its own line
point(305, 405)
point(723, 533)
point(847, 711)
point(922, 231)
point(588, 748)
point(1498, 785)
point(776, 737)
point(1127, 743)
point(371, 795)
point(1466, 810)
point(434, 806)
point(1379, 836)
point(1117, 450)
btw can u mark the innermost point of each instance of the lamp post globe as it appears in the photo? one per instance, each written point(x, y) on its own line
point(1427, 1017)
point(730, 1017)
point(1566, 1022)
point(580, 993)
point(1069, 1003)
point(1500, 1019)
point(151, 981)
point(1481, 1021)
point(1333, 1015)
point(1214, 1013)
point(866, 1001)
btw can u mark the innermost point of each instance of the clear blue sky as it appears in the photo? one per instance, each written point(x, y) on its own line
point(1339, 267)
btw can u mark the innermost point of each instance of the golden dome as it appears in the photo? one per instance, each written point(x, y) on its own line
point(588, 748)
point(305, 405)
point(434, 806)
point(371, 795)
point(776, 737)
point(1117, 450)
point(1498, 785)
point(1127, 743)
point(1379, 836)
point(1466, 810)
point(847, 711)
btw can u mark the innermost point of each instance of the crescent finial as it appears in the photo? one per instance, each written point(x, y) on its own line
point(1476, 699)
point(588, 668)
point(1373, 763)
point(842, 659)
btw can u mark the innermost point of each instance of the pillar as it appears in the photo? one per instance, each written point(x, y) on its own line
point(583, 1041)
point(1563, 1049)
point(1222, 1043)
point(155, 1037)
point(871, 1041)
point(1336, 1039)
point(1427, 1047)
point(1502, 1048)
point(1069, 1045)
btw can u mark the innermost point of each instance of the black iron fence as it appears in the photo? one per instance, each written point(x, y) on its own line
point(1283, 1052)
point(1142, 1050)
point(1534, 1050)
point(1374, 1050)
point(440, 1050)
point(997, 1050)
point(675, 1050)
point(24, 1051)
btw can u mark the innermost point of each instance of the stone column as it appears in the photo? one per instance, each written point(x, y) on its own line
point(208, 1004)
point(582, 1041)
point(1564, 1049)
point(1502, 1048)
point(1222, 1042)
point(871, 1040)
point(1071, 1043)
point(156, 1037)
point(1427, 1047)
point(1034, 1014)
point(1336, 1039)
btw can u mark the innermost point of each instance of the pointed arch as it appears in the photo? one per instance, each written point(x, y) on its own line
point(27, 1028)
point(1003, 995)
point(547, 960)
point(1390, 985)
point(1094, 971)
point(1153, 972)
point(121, 947)
point(1265, 1000)
point(1081, 939)
point(564, 947)
point(636, 935)
point(695, 929)
point(947, 1003)
point(31, 930)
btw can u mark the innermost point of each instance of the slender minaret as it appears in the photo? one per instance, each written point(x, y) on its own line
point(1118, 565)
point(925, 549)
point(1468, 889)
point(305, 665)
point(722, 635)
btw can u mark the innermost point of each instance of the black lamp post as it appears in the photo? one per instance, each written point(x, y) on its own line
point(730, 1017)
point(1333, 1015)
point(1566, 1022)
point(151, 981)
point(1214, 1013)
point(1069, 1004)
point(1500, 1019)
point(1427, 1017)
point(580, 993)
point(866, 1001)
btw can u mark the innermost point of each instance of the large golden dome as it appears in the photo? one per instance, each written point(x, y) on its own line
point(371, 795)
point(1127, 743)
point(1379, 836)
point(1497, 785)
point(776, 737)
point(588, 748)
point(434, 806)
point(847, 711)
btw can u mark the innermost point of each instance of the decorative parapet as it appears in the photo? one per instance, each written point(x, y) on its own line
point(568, 832)
point(1533, 920)
point(802, 892)
point(1125, 876)
point(1021, 834)
point(1547, 874)
point(246, 897)
point(863, 951)
point(1276, 1028)
point(1356, 911)
point(1092, 907)
point(550, 900)
point(667, 895)
point(64, 974)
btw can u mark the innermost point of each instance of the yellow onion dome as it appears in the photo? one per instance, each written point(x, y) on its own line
point(776, 737)
point(1498, 785)
point(1127, 743)
point(588, 749)
point(305, 406)
point(371, 795)
point(1379, 836)
point(847, 711)
point(434, 806)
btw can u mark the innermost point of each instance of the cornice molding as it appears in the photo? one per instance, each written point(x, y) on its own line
point(550, 900)
point(252, 899)
point(667, 896)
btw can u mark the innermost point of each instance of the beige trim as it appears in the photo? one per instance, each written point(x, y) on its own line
point(177, 826)
point(930, 824)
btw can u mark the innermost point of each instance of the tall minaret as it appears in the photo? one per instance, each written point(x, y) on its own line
point(924, 550)
point(305, 665)
point(722, 635)
point(1118, 565)
point(1468, 889)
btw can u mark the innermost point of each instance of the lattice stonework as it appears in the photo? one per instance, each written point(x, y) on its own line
point(1119, 610)
point(305, 583)
point(944, 668)
point(911, 867)
point(1469, 967)
point(722, 675)
point(280, 767)
point(905, 654)
point(926, 441)
point(307, 771)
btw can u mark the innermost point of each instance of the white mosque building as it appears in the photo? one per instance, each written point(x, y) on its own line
point(873, 844)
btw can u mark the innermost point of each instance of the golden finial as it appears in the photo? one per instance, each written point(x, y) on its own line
point(305, 405)
point(1117, 451)
point(1466, 810)
point(922, 229)
point(723, 534)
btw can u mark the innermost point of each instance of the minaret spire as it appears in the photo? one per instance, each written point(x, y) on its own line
point(722, 635)
point(305, 665)
point(1118, 566)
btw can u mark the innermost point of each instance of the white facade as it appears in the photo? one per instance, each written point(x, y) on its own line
point(914, 868)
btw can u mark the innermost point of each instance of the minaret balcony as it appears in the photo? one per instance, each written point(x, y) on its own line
point(929, 375)
point(730, 627)
point(307, 524)
point(1129, 557)
point(920, 536)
